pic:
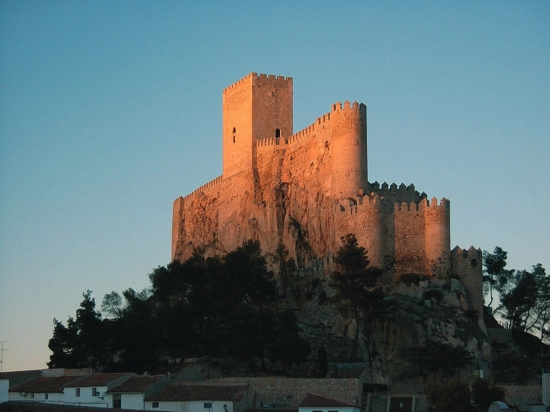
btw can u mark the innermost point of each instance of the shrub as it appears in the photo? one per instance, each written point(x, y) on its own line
point(411, 278)
point(472, 314)
point(434, 293)
point(453, 396)
point(484, 394)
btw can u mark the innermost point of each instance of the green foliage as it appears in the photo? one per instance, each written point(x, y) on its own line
point(526, 305)
point(441, 358)
point(216, 307)
point(511, 368)
point(472, 314)
point(453, 396)
point(79, 344)
point(524, 295)
point(410, 279)
point(433, 293)
point(357, 285)
point(484, 393)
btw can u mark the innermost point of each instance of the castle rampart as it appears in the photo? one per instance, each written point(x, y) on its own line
point(307, 189)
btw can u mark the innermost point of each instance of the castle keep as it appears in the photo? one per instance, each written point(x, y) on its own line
point(306, 189)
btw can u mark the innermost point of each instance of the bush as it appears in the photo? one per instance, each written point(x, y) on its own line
point(484, 394)
point(511, 368)
point(453, 396)
point(411, 278)
point(472, 314)
point(434, 293)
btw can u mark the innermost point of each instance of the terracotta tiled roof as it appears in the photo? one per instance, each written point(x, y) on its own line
point(196, 393)
point(136, 384)
point(45, 385)
point(17, 378)
point(312, 400)
point(96, 379)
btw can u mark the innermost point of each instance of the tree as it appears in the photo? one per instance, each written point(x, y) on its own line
point(63, 345)
point(484, 393)
point(356, 285)
point(497, 276)
point(453, 396)
point(81, 342)
point(526, 304)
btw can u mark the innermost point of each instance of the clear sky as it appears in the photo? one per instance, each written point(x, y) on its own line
point(109, 110)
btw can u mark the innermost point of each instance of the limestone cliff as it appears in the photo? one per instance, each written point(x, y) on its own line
point(308, 189)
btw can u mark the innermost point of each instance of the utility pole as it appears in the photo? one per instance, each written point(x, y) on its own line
point(2, 355)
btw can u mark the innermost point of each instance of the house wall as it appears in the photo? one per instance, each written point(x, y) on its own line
point(130, 401)
point(288, 392)
point(167, 406)
point(4, 386)
point(331, 409)
point(546, 389)
point(86, 397)
point(38, 397)
point(191, 406)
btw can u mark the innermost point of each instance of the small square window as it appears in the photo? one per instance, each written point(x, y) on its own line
point(77, 392)
point(94, 391)
point(45, 396)
point(207, 405)
point(155, 404)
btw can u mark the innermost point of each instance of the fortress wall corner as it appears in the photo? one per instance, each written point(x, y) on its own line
point(237, 142)
point(177, 218)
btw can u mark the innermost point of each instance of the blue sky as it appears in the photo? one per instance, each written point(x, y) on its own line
point(111, 110)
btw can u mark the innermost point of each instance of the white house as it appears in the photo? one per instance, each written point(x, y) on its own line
point(198, 398)
point(42, 389)
point(12, 379)
point(318, 403)
point(91, 390)
point(131, 393)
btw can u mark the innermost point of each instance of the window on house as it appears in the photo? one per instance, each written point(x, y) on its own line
point(77, 392)
point(46, 396)
point(32, 395)
point(207, 405)
point(94, 391)
point(117, 404)
point(155, 404)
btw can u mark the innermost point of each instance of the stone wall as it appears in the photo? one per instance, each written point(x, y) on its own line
point(308, 189)
point(288, 392)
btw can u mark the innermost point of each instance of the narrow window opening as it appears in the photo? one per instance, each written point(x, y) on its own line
point(77, 392)
point(233, 139)
point(277, 133)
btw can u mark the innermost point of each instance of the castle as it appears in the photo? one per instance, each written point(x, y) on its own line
point(309, 188)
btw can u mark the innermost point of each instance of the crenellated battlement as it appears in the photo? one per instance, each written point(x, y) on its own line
point(326, 161)
point(470, 253)
point(240, 82)
point(357, 107)
point(255, 76)
point(204, 187)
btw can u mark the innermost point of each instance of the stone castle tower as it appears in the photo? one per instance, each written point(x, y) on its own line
point(309, 188)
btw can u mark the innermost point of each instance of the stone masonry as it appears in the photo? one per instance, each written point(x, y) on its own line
point(309, 188)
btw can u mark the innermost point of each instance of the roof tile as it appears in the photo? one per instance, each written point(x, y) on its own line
point(96, 379)
point(45, 385)
point(312, 400)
